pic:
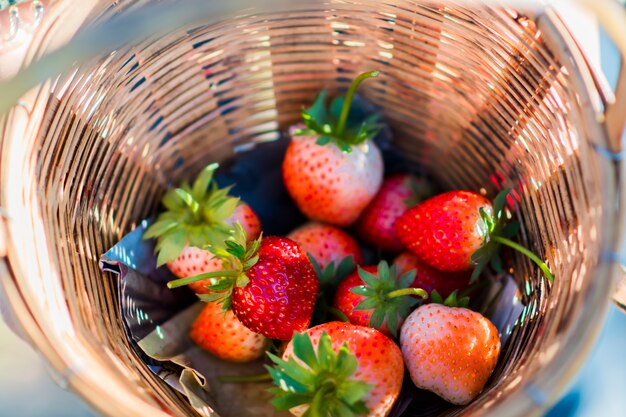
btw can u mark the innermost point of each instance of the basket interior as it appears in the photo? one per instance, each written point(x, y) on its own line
point(473, 95)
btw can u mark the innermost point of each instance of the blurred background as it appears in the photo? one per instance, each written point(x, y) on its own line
point(28, 390)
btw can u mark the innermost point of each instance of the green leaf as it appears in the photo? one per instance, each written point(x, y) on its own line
point(435, 297)
point(499, 202)
point(347, 364)
point(322, 140)
point(356, 392)
point(172, 201)
point(479, 254)
point(464, 302)
point(189, 199)
point(344, 146)
point(170, 246)
point(368, 278)
point(325, 353)
point(317, 111)
point(202, 182)
point(367, 304)
point(393, 323)
point(222, 285)
point(383, 271)
point(480, 267)
point(235, 249)
point(316, 266)
point(511, 229)
point(345, 268)
point(377, 319)
point(159, 228)
point(363, 290)
point(451, 300)
point(496, 264)
point(290, 400)
point(225, 210)
point(303, 349)
point(212, 297)
point(336, 106)
point(406, 280)
point(298, 373)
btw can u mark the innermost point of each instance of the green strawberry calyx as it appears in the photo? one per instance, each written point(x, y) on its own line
point(323, 380)
point(386, 295)
point(196, 216)
point(499, 232)
point(453, 300)
point(329, 278)
point(331, 123)
point(239, 256)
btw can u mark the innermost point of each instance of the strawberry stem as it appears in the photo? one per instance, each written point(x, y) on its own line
point(542, 265)
point(189, 280)
point(345, 110)
point(407, 291)
point(266, 377)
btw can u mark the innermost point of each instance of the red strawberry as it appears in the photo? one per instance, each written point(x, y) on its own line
point(375, 296)
point(397, 194)
point(450, 351)
point(224, 336)
point(430, 279)
point(198, 217)
point(271, 287)
point(458, 230)
point(326, 243)
point(338, 369)
point(332, 168)
point(445, 231)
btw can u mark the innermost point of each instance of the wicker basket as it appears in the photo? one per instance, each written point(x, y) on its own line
point(481, 96)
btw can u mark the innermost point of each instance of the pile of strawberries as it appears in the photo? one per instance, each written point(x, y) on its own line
point(370, 322)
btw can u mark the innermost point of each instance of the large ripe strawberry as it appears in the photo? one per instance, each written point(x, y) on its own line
point(332, 168)
point(326, 243)
point(271, 285)
point(338, 369)
point(450, 351)
point(197, 218)
point(431, 279)
point(397, 194)
point(223, 335)
point(376, 296)
point(459, 230)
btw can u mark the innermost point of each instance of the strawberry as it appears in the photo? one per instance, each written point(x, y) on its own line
point(375, 296)
point(326, 243)
point(225, 337)
point(396, 195)
point(459, 230)
point(271, 285)
point(450, 351)
point(338, 369)
point(430, 279)
point(332, 168)
point(198, 217)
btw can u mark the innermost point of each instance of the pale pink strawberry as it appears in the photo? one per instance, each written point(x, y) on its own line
point(222, 334)
point(199, 217)
point(450, 351)
point(333, 168)
point(195, 261)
